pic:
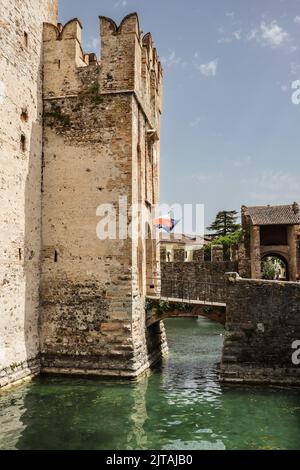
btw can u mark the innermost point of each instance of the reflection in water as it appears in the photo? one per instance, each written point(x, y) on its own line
point(11, 412)
point(180, 405)
point(137, 438)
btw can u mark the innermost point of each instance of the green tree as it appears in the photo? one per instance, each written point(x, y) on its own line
point(228, 241)
point(268, 269)
point(225, 223)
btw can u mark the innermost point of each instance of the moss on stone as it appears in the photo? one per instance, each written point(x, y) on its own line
point(163, 306)
point(56, 115)
point(93, 93)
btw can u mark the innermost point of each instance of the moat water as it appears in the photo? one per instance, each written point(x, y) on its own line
point(180, 405)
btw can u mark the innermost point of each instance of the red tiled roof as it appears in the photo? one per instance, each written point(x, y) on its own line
point(274, 215)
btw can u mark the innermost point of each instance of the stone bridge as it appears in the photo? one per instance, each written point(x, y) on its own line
point(190, 289)
point(262, 325)
point(187, 291)
point(160, 307)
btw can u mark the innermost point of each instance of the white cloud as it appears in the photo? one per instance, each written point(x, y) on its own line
point(297, 19)
point(121, 3)
point(205, 177)
point(225, 40)
point(172, 59)
point(93, 44)
point(236, 35)
point(242, 162)
point(201, 177)
point(273, 186)
point(273, 34)
point(284, 88)
point(196, 122)
point(295, 69)
point(253, 34)
point(209, 69)
point(230, 14)
point(269, 34)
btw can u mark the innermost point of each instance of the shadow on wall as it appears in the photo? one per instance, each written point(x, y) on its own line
point(32, 235)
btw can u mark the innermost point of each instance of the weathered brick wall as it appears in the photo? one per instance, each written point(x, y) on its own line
point(196, 280)
point(97, 148)
point(262, 322)
point(20, 188)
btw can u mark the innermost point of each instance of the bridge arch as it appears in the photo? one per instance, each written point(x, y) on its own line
point(280, 263)
point(158, 309)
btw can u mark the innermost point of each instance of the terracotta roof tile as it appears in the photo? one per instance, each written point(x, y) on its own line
point(274, 215)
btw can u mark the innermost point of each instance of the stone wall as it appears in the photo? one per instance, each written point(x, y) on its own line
point(101, 129)
point(262, 322)
point(196, 280)
point(21, 27)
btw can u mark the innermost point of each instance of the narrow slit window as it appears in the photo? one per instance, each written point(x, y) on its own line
point(59, 64)
point(42, 173)
point(25, 39)
point(55, 257)
point(20, 254)
point(23, 143)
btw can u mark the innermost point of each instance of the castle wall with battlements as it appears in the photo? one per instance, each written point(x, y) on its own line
point(21, 30)
point(101, 142)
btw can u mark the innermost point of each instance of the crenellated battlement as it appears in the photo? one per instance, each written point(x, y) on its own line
point(62, 56)
point(71, 30)
point(129, 24)
point(129, 62)
point(152, 58)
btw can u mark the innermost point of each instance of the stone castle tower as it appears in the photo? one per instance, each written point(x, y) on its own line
point(73, 303)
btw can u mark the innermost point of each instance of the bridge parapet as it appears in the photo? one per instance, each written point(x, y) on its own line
point(197, 281)
point(262, 330)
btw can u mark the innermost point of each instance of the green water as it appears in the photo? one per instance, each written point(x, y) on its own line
point(180, 405)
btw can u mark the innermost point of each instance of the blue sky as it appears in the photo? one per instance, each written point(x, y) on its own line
point(230, 132)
